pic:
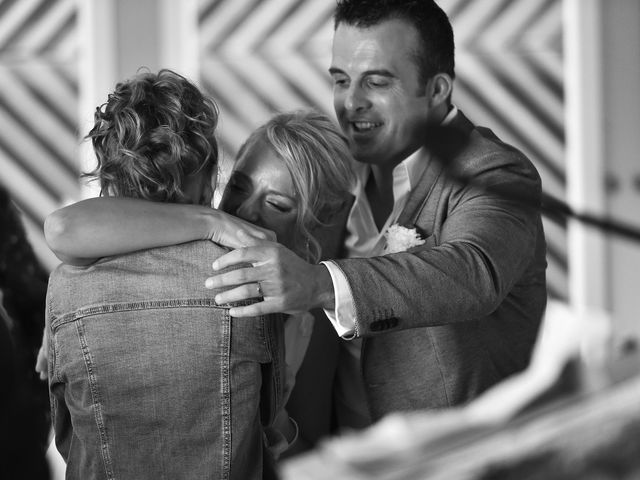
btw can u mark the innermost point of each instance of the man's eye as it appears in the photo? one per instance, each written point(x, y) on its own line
point(377, 82)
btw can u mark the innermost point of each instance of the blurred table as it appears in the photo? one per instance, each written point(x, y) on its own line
point(589, 436)
point(573, 414)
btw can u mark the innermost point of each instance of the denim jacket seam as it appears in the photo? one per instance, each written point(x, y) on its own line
point(51, 339)
point(102, 309)
point(276, 365)
point(269, 342)
point(105, 451)
point(225, 368)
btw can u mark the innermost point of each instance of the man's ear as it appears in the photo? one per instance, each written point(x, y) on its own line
point(439, 89)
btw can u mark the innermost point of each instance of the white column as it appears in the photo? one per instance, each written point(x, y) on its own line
point(588, 275)
point(621, 110)
point(97, 71)
point(179, 45)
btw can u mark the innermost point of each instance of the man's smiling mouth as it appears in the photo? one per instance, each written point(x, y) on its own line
point(365, 126)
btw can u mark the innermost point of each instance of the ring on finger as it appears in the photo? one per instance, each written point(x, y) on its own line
point(259, 290)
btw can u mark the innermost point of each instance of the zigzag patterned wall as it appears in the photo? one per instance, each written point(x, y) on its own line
point(259, 57)
point(262, 56)
point(38, 108)
point(510, 78)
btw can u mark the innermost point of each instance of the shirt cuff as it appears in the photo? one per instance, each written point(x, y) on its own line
point(343, 317)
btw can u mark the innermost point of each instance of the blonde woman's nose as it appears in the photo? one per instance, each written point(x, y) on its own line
point(249, 210)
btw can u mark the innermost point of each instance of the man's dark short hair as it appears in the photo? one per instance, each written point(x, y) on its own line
point(431, 22)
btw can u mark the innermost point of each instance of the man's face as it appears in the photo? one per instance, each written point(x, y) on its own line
point(381, 105)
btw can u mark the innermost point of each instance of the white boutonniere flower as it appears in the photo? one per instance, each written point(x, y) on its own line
point(400, 239)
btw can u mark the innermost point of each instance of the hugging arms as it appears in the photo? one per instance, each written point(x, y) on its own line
point(98, 227)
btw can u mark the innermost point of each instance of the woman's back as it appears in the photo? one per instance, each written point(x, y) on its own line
point(150, 378)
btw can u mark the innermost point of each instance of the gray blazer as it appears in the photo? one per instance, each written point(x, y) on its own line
point(446, 320)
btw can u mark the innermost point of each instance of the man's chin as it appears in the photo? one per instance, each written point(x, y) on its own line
point(367, 158)
point(368, 154)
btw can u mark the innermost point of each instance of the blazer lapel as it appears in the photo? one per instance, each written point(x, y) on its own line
point(443, 144)
point(421, 193)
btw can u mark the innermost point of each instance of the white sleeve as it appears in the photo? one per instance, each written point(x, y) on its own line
point(343, 318)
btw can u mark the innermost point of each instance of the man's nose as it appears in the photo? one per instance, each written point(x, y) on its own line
point(356, 99)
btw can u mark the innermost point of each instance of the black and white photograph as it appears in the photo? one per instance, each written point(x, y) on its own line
point(320, 239)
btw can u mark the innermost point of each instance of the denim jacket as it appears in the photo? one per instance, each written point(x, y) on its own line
point(149, 378)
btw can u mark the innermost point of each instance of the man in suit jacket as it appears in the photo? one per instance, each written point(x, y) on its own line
point(437, 323)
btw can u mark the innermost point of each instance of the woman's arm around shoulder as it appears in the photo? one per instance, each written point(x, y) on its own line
point(81, 233)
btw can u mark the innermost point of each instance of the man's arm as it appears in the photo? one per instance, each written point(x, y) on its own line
point(482, 245)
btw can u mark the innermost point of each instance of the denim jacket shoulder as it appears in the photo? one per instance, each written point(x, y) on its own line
point(156, 277)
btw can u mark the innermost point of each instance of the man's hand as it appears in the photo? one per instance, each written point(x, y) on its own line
point(287, 283)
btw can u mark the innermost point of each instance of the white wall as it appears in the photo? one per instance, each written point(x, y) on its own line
point(621, 119)
point(602, 53)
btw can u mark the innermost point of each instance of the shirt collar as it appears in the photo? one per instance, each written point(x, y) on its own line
point(449, 118)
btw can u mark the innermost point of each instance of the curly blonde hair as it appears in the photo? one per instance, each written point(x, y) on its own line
point(153, 132)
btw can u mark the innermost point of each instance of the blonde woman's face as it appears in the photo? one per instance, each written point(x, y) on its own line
point(261, 191)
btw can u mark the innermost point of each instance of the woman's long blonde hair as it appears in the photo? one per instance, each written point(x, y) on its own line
point(318, 158)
